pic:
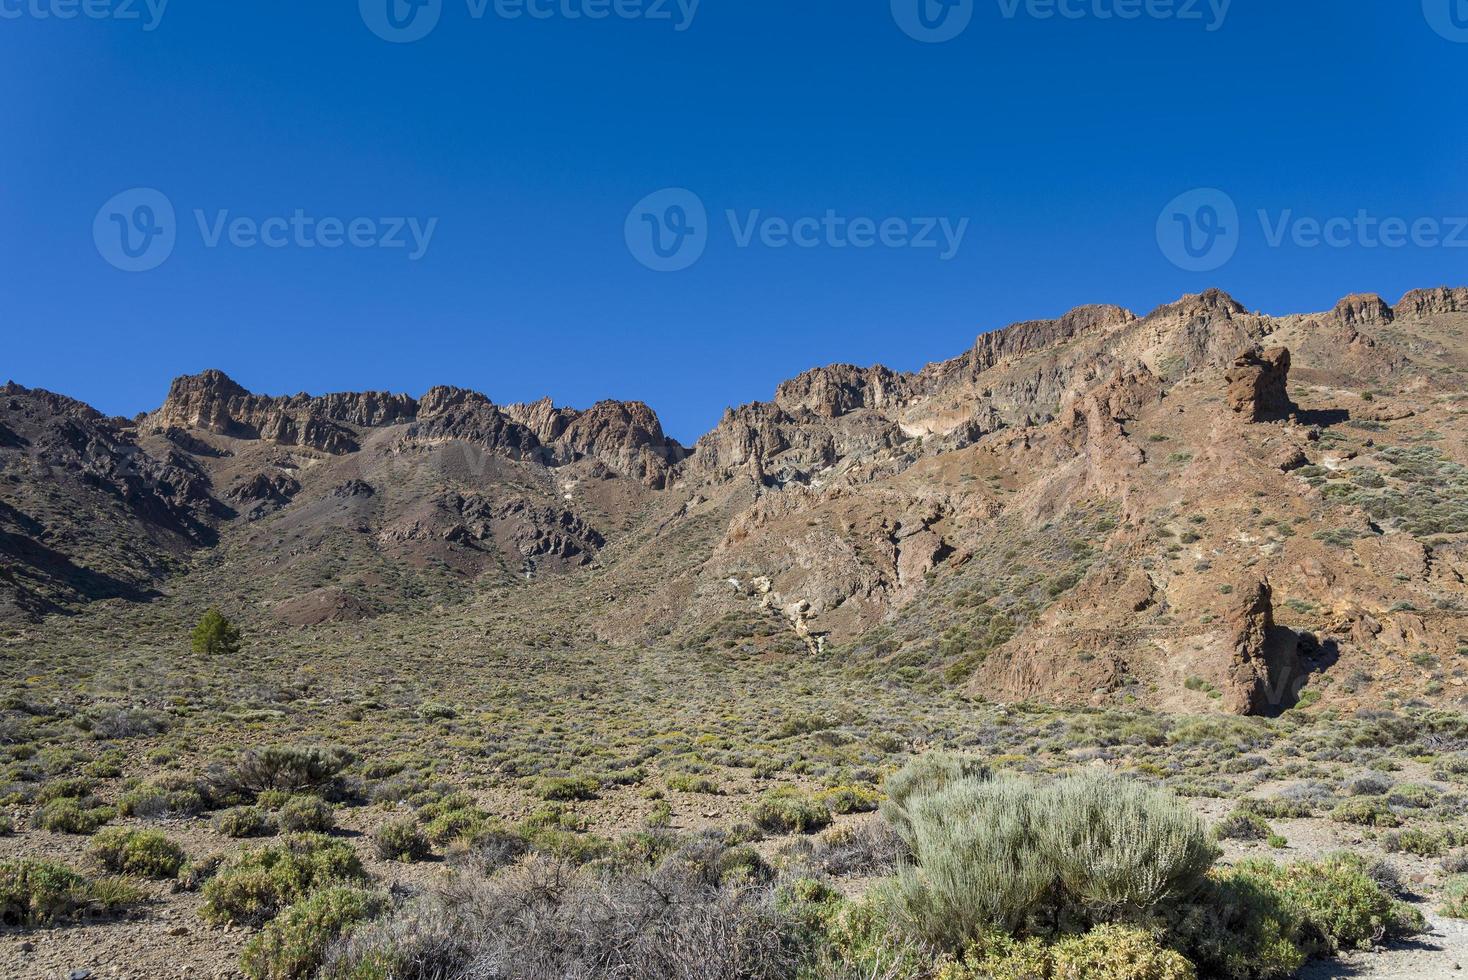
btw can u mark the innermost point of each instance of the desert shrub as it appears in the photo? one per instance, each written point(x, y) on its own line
point(924, 775)
point(1011, 855)
point(1455, 897)
point(1242, 825)
point(117, 722)
point(145, 853)
point(786, 811)
point(305, 813)
point(290, 769)
point(865, 847)
point(164, 798)
point(457, 824)
point(1368, 784)
point(567, 788)
point(199, 871)
point(35, 892)
point(244, 821)
point(1108, 952)
point(1423, 842)
point(401, 840)
point(215, 635)
point(1341, 906)
point(1366, 811)
point(254, 885)
point(684, 782)
point(1239, 927)
point(69, 815)
point(850, 799)
point(294, 944)
point(546, 918)
point(61, 789)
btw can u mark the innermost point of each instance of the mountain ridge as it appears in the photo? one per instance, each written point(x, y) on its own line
point(1092, 508)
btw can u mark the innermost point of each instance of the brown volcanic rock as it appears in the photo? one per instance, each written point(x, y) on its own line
point(211, 401)
point(1264, 672)
point(1258, 385)
point(1363, 308)
point(467, 416)
point(626, 436)
point(1426, 302)
point(1035, 335)
point(831, 392)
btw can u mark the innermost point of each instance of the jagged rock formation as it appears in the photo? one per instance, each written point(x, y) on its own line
point(1069, 510)
point(1258, 385)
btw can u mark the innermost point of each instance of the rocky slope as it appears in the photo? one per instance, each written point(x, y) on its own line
point(1201, 508)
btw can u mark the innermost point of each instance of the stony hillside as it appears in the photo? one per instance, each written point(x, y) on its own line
point(1198, 509)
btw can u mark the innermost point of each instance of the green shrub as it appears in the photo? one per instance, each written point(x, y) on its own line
point(683, 782)
point(567, 788)
point(850, 799)
point(306, 813)
point(1366, 811)
point(61, 789)
point(1341, 906)
point(1239, 927)
point(458, 824)
point(166, 797)
point(254, 885)
point(401, 840)
point(244, 821)
point(1242, 825)
point(1455, 897)
point(786, 811)
point(145, 853)
point(293, 946)
point(73, 816)
point(1108, 952)
point(35, 892)
point(924, 775)
point(215, 635)
point(288, 768)
point(1011, 855)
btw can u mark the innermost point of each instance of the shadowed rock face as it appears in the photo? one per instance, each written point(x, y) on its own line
point(1258, 385)
point(1099, 508)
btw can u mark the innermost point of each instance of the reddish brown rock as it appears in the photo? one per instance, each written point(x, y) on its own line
point(1258, 385)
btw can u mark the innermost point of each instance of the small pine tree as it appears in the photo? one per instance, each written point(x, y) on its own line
point(216, 635)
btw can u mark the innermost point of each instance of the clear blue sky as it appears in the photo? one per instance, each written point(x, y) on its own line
point(1060, 140)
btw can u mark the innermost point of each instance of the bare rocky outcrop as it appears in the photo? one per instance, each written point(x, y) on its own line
point(1362, 309)
point(1258, 385)
point(1429, 302)
point(1264, 672)
point(213, 402)
point(627, 436)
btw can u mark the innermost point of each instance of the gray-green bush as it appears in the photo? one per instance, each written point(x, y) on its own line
point(1019, 856)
